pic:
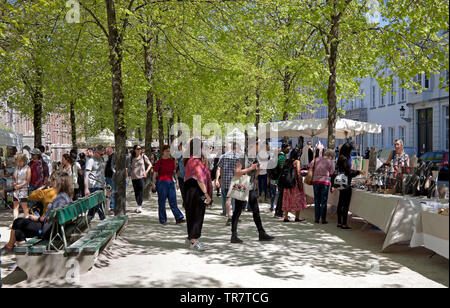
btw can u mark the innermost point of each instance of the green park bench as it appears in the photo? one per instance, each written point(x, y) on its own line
point(67, 239)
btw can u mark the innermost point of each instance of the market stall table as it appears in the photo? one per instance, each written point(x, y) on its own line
point(432, 231)
point(395, 215)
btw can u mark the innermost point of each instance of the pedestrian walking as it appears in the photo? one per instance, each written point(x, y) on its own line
point(251, 168)
point(139, 174)
point(307, 155)
point(165, 183)
point(21, 180)
point(46, 160)
point(198, 192)
point(294, 198)
point(39, 176)
point(68, 165)
point(109, 175)
point(285, 148)
point(323, 169)
point(94, 179)
point(225, 169)
point(345, 195)
point(181, 171)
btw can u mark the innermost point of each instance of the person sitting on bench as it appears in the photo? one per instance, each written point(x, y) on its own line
point(32, 226)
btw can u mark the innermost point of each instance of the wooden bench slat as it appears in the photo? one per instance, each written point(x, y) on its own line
point(23, 248)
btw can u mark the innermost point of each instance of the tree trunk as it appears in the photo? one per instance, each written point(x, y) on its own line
point(159, 113)
point(120, 130)
point(148, 59)
point(38, 109)
point(73, 126)
point(332, 83)
point(171, 122)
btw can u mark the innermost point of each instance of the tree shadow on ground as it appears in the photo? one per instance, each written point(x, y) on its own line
point(350, 253)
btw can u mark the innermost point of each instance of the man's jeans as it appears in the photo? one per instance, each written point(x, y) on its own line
point(98, 208)
point(224, 200)
point(110, 181)
point(320, 201)
point(166, 190)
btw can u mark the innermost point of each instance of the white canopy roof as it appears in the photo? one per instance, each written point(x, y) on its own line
point(11, 139)
point(345, 128)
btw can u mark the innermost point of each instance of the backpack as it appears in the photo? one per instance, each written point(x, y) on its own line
point(275, 173)
point(288, 177)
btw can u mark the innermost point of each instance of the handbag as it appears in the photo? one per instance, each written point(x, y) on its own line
point(310, 175)
point(239, 188)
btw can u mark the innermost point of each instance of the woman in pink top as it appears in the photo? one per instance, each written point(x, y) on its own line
point(323, 170)
point(198, 192)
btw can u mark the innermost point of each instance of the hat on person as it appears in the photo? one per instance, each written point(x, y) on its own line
point(36, 152)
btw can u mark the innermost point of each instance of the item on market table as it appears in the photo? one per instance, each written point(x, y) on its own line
point(413, 161)
point(373, 160)
point(443, 211)
point(442, 191)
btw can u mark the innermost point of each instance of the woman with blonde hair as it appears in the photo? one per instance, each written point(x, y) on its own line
point(21, 180)
point(398, 157)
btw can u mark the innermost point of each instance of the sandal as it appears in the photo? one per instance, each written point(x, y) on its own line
point(345, 227)
point(286, 220)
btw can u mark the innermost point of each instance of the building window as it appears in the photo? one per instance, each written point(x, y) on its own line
point(381, 98)
point(372, 99)
point(426, 84)
point(361, 100)
point(382, 139)
point(401, 134)
point(391, 132)
point(402, 94)
point(392, 97)
point(446, 127)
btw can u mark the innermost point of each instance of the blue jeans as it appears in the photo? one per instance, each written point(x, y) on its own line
point(274, 195)
point(224, 200)
point(262, 185)
point(320, 201)
point(166, 190)
point(98, 208)
point(110, 181)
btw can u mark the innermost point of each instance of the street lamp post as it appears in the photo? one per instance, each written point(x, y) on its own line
point(402, 114)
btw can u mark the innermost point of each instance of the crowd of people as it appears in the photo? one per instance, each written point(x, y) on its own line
point(40, 186)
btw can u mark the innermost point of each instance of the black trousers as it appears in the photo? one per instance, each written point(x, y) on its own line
point(195, 208)
point(239, 205)
point(279, 208)
point(138, 185)
point(26, 228)
point(345, 196)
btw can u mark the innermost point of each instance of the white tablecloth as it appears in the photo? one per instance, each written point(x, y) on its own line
point(432, 231)
point(394, 215)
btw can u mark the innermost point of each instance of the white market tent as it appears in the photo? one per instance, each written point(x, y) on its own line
point(345, 128)
point(105, 138)
point(12, 139)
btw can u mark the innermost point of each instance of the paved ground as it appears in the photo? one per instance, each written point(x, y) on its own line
point(303, 255)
